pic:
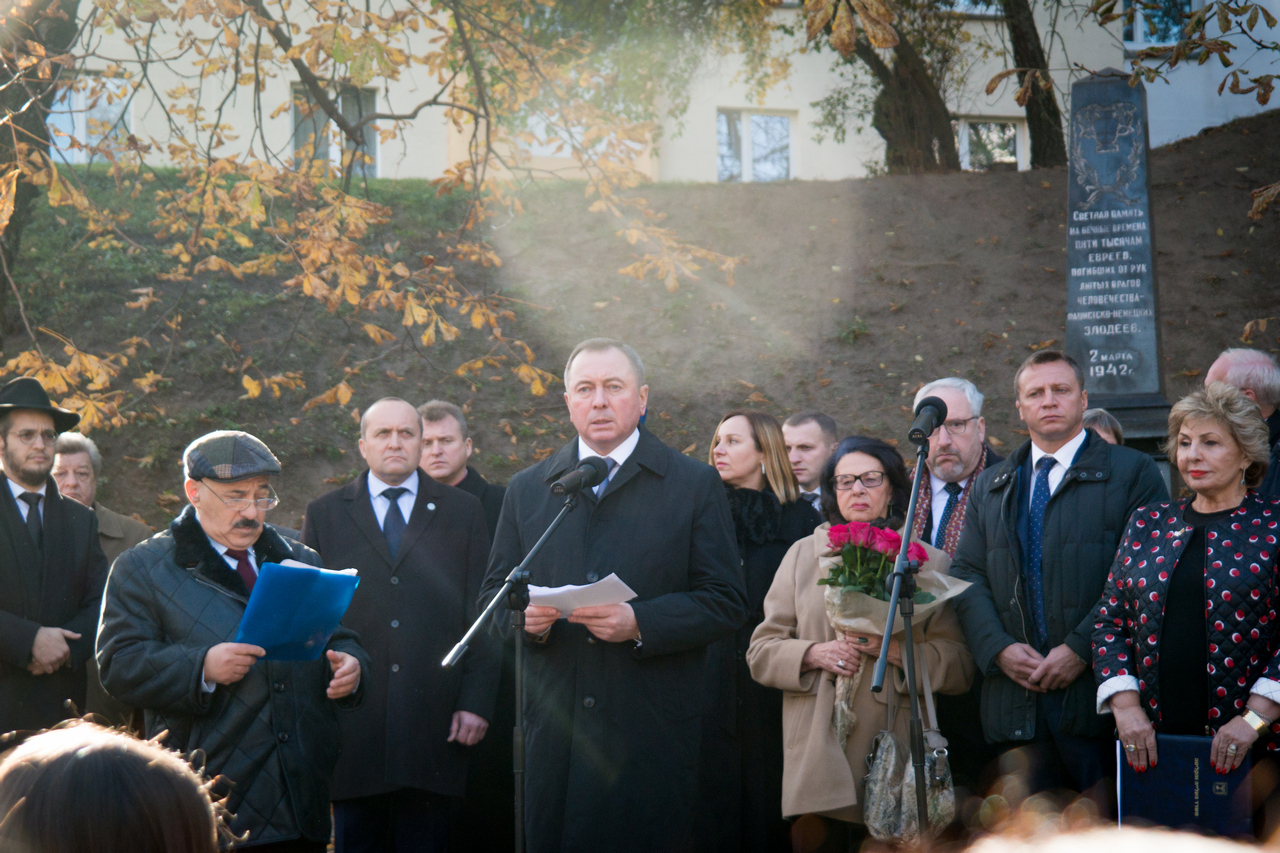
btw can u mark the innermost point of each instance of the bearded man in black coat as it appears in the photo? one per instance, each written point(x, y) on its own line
point(52, 568)
point(613, 699)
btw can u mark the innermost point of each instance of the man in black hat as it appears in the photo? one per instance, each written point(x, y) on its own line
point(268, 729)
point(51, 568)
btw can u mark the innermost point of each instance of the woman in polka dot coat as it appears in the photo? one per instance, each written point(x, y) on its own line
point(1186, 637)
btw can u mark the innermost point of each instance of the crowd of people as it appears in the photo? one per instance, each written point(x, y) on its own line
point(697, 716)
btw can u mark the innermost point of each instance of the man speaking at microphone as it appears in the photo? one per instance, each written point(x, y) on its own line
point(612, 708)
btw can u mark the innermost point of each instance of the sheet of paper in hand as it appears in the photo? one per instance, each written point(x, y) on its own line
point(295, 608)
point(566, 599)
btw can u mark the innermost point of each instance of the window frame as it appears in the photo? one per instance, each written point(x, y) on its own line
point(1021, 136)
point(746, 154)
point(333, 153)
point(1135, 43)
point(78, 113)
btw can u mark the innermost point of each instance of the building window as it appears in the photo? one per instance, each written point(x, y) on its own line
point(990, 145)
point(89, 110)
point(314, 138)
point(752, 146)
point(1155, 22)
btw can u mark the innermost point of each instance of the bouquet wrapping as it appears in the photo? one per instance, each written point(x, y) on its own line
point(858, 561)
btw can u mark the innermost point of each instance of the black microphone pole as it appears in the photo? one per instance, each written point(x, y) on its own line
point(515, 592)
point(902, 598)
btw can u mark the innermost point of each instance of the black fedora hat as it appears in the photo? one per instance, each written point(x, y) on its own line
point(27, 393)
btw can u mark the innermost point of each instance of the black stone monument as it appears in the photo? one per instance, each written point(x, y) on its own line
point(1113, 326)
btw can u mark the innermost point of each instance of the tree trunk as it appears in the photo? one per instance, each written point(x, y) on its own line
point(27, 99)
point(909, 112)
point(1044, 120)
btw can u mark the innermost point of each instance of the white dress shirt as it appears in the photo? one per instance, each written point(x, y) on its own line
point(814, 498)
point(940, 498)
point(23, 506)
point(619, 454)
point(382, 503)
point(1064, 455)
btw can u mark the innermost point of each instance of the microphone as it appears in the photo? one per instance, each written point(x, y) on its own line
point(590, 472)
point(929, 416)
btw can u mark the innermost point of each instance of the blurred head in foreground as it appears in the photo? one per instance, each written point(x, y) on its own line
point(85, 789)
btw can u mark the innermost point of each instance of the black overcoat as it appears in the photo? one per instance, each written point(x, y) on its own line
point(612, 729)
point(739, 805)
point(409, 612)
point(60, 589)
point(489, 787)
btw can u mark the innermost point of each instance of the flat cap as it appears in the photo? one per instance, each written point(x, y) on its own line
point(228, 455)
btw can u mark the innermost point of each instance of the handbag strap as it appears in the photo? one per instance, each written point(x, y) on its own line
point(931, 714)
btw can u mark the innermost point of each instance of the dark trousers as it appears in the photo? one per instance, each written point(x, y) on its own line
point(403, 821)
point(297, 845)
point(1056, 761)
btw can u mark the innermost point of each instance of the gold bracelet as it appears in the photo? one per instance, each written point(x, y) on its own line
point(1258, 722)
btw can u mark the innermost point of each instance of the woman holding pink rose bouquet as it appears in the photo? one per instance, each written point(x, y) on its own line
point(836, 577)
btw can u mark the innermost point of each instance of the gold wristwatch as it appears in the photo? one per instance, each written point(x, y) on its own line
point(1259, 723)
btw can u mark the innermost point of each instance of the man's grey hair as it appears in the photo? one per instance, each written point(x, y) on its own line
point(364, 417)
point(603, 345)
point(964, 386)
point(434, 411)
point(1253, 370)
point(73, 442)
point(826, 424)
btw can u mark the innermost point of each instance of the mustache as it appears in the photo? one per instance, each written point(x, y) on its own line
point(247, 524)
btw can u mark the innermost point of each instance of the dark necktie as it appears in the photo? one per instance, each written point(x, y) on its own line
point(604, 484)
point(243, 567)
point(953, 497)
point(393, 521)
point(33, 518)
point(1035, 530)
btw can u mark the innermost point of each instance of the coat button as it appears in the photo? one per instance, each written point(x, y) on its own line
point(395, 667)
point(589, 702)
point(283, 737)
point(395, 580)
point(592, 577)
point(278, 687)
point(395, 623)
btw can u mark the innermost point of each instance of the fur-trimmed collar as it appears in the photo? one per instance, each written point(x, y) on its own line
point(192, 550)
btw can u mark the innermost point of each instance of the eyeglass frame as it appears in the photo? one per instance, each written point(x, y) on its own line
point(857, 478)
point(50, 436)
point(235, 504)
point(964, 422)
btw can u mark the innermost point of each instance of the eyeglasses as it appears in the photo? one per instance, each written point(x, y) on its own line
point(869, 480)
point(959, 426)
point(28, 436)
point(241, 504)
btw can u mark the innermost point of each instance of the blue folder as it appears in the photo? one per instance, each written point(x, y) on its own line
point(294, 610)
point(1183, 790)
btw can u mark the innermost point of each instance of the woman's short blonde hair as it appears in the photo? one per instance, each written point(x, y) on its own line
point(767, 434)
point(1225, 404)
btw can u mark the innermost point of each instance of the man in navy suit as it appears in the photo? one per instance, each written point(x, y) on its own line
point(421, 549)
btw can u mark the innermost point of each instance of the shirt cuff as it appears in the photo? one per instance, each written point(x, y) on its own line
point(206, 685)
point(1119, 684)
point(1267, 688)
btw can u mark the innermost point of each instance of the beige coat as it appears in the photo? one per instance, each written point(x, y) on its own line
point(818, 775)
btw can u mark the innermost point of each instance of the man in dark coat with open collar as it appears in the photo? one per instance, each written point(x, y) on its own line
point(51, 568)
point(613, 700)
point(267, 729)
point(421, 549)
point(446, 450)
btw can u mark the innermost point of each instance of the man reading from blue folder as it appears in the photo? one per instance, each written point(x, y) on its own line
point(170, 614)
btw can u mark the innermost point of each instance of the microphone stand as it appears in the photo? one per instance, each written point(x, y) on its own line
point(902, 598)
point(515, 593)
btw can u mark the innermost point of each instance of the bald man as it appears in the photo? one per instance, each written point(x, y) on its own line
point(421, 548)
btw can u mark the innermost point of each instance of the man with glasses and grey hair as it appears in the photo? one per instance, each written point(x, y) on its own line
point(958, 453)
point(268, 730)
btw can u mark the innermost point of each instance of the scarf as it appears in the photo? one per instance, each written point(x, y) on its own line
point(757, 516)
point(951, 538)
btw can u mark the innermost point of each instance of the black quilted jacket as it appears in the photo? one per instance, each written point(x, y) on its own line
point(1242, 588)
point(273, 735)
